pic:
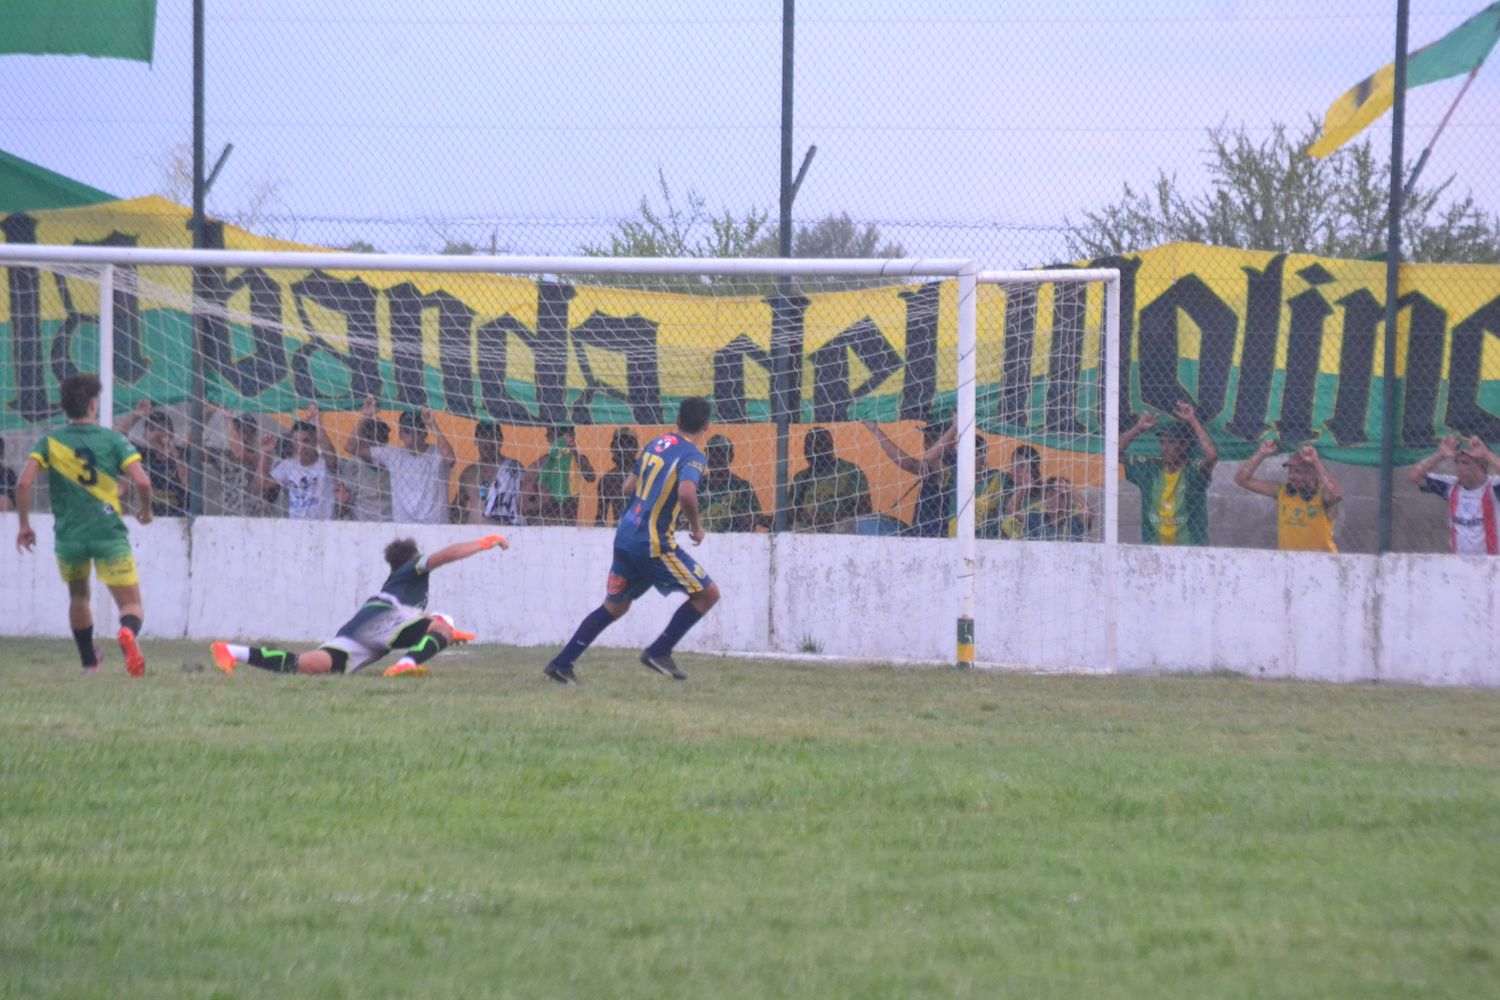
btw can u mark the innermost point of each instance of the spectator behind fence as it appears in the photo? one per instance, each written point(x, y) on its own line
point(1058, 514)
point(992, 489)
point(727, 502)
point(7, 482)
point(161, 458)
point(243, 468)
point(935, 471)
point(624, 447)
point(419, 474)
point(1023, 492)
point(831, 492)
point(1472, 494)
point(309, 476)
point(549, 492)
point(1174, 489)
point(369, 482)
point(489, 490)
point(1306, 504)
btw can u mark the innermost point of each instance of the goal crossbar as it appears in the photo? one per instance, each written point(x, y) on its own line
point(491, 264)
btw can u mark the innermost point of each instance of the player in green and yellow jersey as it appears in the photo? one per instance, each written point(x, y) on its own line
point(84, 464)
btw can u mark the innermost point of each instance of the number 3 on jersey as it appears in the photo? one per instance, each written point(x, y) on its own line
point(90, 474)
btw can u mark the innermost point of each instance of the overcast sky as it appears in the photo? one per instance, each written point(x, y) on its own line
point(973, 123)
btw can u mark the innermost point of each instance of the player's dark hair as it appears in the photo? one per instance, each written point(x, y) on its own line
point(303, 425)
point(487, 429)
point(400, 552)
point(160, 419)
point(692, 415)
point(1030, 456)
point(76, 392)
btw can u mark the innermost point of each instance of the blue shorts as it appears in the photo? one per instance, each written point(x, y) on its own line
point(632, 574)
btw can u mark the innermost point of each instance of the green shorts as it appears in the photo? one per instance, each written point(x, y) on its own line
point(112, 554)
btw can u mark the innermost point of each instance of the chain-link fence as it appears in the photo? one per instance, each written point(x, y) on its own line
point(1015, 136)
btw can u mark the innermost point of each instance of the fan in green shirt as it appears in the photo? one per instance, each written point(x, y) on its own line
point(1174, 489)
point(727, 502)
point(84, 464)
point(831, 492)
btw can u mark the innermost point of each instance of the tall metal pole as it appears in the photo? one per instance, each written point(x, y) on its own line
point(781, 362)
point(1393, 285)
point(200, 228)
point(101, 597)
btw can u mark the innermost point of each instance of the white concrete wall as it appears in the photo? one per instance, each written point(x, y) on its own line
point(1421, 619)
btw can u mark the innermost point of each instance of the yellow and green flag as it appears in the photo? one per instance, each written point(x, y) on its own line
point(108, 29)
point(1462, 50)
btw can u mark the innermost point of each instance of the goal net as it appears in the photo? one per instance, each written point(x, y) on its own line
point(1047, 399)
point(518, 392)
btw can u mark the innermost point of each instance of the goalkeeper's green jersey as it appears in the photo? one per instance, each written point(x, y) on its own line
point(84, 463)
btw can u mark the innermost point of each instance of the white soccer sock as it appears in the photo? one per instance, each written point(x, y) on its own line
point(241, 653)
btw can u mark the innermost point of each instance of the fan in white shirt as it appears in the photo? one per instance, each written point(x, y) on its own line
point(310, 476)
point(1473, 494)
point(419, 474)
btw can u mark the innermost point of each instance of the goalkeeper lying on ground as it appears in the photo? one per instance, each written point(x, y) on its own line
point(395, 618)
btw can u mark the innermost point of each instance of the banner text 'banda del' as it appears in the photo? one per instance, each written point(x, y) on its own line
point(1261, 343)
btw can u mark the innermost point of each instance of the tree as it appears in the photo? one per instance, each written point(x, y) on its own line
point(832, 236)
point(671, 230)
point(459, 246)
point(263, 212)
point(691, 230)
point(1270, 195)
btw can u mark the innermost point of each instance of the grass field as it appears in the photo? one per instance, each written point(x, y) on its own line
point(764, 830)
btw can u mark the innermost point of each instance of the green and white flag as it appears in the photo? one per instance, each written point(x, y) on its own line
point(107, 29)
point(1462, 50)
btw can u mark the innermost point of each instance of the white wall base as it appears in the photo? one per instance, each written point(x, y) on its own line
point(1417, 619)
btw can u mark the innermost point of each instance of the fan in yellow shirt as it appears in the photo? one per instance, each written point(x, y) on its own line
point(1306, 504)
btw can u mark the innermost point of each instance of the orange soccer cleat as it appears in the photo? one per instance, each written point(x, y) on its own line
point(407, 668)
point(223, 658)
point(134, 661)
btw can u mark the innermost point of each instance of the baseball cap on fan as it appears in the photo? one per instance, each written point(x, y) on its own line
point(1176, 431)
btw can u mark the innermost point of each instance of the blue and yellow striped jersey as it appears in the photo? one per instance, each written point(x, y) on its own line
point(650, 517)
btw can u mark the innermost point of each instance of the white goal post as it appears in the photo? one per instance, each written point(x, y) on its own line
point(1101, 434)
point(105, 264)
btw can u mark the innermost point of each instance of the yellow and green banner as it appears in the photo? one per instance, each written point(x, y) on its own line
point(1260, 343)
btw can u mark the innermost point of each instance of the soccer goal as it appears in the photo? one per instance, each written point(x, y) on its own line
point(343, 390)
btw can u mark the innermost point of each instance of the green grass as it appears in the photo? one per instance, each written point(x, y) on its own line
point(764, 830)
